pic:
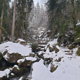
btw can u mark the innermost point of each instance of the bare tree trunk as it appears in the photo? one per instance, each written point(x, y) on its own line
point(1, 21)
point(22, 30)
point(26, 36)
point(73, 15)
point(13, 23)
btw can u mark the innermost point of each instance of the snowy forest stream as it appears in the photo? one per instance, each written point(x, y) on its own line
point(39, 39)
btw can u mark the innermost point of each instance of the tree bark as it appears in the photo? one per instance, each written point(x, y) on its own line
point(1, 21)
point(73, 15)
point(22, 30)
point(13, 23)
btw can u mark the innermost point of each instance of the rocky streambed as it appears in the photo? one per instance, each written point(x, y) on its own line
point(18, 59)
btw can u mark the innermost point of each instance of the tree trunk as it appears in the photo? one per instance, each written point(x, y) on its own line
point(26, 36)
point(73, 15)
point(1, 21)
point(22, 30)
point(13, 23)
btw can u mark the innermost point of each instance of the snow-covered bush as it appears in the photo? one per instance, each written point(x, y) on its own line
point(34, 47)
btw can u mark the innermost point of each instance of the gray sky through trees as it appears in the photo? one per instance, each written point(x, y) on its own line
point(35, 1)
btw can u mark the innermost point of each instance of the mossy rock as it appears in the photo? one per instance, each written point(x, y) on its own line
point(41, 55)
point(25, 63)
point(31, 55)
point(21, 41)
point(21, 71)
point(47, 61)
point(59, 59)
point(77, 40)
point(53, 68)
point(12, 58)
point(71, 46)
point(56, 49)
point(51, 49)
point(16, 71)
point(78, 51)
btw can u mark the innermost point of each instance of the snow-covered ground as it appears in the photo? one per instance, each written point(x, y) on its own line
point(68, 68)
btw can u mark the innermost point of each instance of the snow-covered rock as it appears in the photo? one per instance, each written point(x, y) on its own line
point(5, 73)
point(20, 78)
point(21, 41)
point(27, 60)
point(14, 51)
point(78, 24)
point(52, 43)
point(15, 66)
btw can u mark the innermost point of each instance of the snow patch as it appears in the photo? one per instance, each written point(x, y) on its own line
point(5, 72)
point(78, 24)
point(40, 72)
point(31, 58)
point(27, 58)
point(51, 43)
point(15, 48)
